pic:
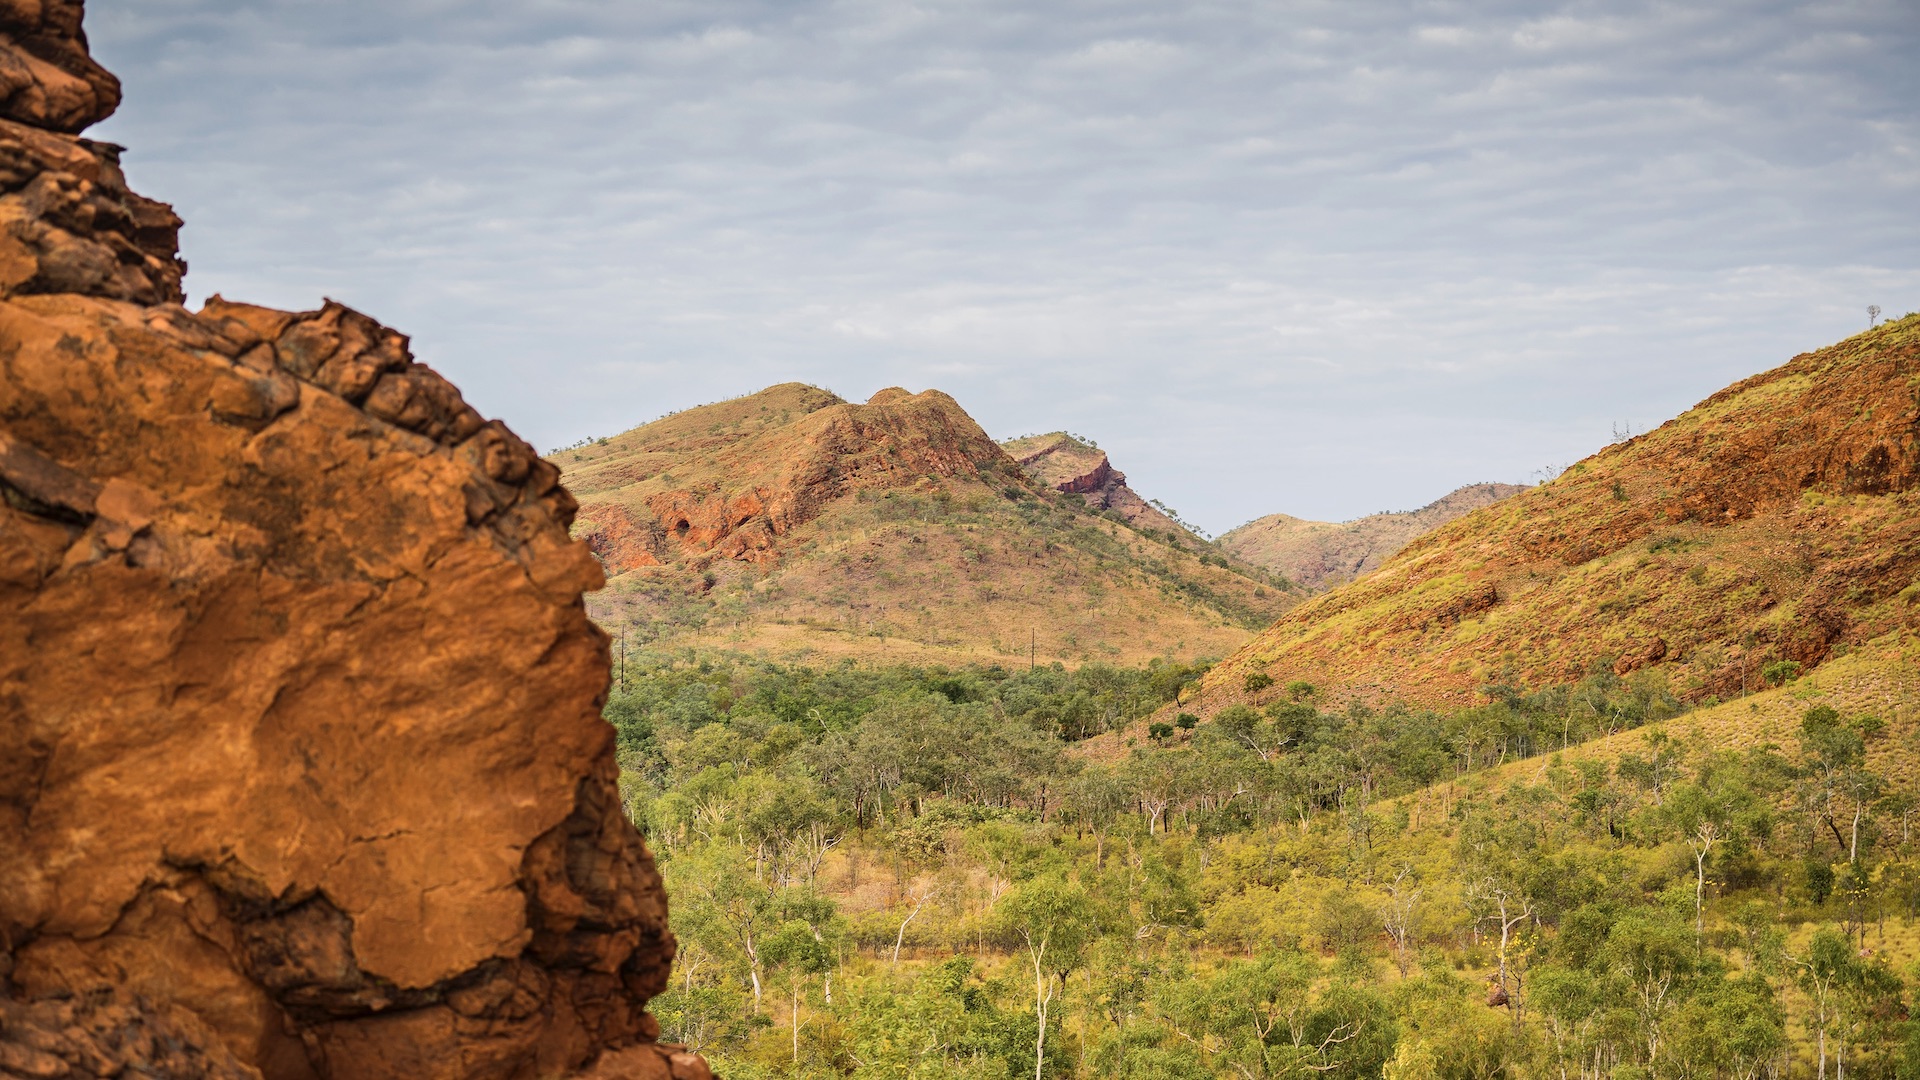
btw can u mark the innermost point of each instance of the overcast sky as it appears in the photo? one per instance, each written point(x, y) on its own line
point(1320, 258)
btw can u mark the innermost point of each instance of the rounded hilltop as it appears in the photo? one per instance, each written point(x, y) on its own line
point(796, 522)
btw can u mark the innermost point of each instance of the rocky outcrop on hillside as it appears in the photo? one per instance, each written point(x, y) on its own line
point(797, 523)
point(734, 498)
point(1076, 467)
point(1754, 536)
point(1322, 554)
point(302, 773)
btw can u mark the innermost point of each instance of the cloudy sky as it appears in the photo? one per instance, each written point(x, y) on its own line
point(1324, 258)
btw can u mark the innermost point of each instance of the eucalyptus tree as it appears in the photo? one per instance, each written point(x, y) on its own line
point(1707, 812)
point(1054, 921)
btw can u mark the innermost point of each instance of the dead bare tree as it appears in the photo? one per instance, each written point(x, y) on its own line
point(919, 902)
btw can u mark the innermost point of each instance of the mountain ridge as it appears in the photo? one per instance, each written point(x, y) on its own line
point(1075, 466)
point(1771, 524)
point(1321, 554)
point(791, 521)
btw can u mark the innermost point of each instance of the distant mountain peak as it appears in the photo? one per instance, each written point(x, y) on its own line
point(1322, 554)
point(729, 481)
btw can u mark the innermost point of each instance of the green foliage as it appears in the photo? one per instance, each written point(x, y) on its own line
point(1780, 672)
point(689, 690)
point(909, 873)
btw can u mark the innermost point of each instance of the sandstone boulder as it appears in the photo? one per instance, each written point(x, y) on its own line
point(302, 772)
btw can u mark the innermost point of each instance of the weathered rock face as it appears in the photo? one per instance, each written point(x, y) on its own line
point(47, 79)
point(94, 1037)
point(302, 772)
point(1065, 463)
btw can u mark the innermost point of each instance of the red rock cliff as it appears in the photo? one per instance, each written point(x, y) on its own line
point(1065, 463)
point(658, 497)
point(302, 772)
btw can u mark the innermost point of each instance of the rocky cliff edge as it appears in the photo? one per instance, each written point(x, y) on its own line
point(302, 773)
point(1069, 464)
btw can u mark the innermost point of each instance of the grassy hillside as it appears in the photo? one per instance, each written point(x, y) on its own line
point(1736, 545)
point(1322, 554)
point(1880, 679)
point(796, 524)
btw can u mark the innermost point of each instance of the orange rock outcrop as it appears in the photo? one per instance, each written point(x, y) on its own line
point(748, 492)
point(1067, 464)
point(47, 77)
point(302, 773)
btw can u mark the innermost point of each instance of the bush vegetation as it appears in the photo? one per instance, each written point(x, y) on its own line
point(924, 872)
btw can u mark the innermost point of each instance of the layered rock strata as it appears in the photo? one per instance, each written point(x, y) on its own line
point(302, 773)
point(1075, 467)
point(47, 78)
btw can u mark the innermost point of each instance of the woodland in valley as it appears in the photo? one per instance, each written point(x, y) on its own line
point(999, 872)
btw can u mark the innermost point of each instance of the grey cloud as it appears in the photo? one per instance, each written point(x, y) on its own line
point(1325, 258)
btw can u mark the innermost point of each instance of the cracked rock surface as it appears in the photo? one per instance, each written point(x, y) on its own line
point(302, 773)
